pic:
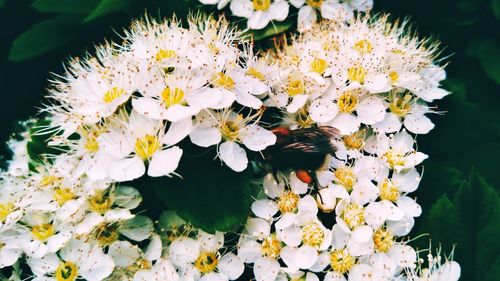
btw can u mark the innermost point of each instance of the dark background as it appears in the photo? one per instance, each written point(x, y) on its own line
point(460, 190)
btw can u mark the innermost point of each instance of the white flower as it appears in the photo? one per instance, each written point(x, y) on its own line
point(260, 12)
point(220, 3)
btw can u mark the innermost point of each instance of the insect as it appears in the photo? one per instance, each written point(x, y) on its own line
point(303, 150)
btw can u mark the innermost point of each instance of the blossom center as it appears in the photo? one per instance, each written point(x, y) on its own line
point(401, 105)
point(363, 47)
point(341, 261)
point(319, 65)
point(113, 94)
point(288, 202)
point(66, 271)
point(62, 195)
point(394, 158)
point(261, 5)
point(303, 118)
point(49, 180)
point(106, 233)
point(312, 235)
point(5, 210)
point(356, 73)
point(255, 73)
point(388, 191)
point(295, 87)
point(394, 76)
point(355, 141)
point(100, 203)
point(315, 3)
point(223, 80)
point(146, 146)
point(383, 240)
point(230, 129)
point(206, 262)
point(43, 231)
point(345, 177)
point(348, 101)
point(271, 247)
point(165, 54)
point(171, 97)
point(353, 215)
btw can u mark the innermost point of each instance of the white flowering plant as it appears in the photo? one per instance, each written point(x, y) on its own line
point(185, 152)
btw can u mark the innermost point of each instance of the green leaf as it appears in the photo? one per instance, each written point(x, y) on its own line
point(495, 6)
point(107, 7)
point(274, 28)
point(170, 220)
point(209, 196)
point(43, 37)
point(2, 3)
point(65, 6)
point(471, 221)
point(38, 147)
point(488, 53)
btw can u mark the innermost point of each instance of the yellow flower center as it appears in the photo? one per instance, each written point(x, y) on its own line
point(62, 195)
point(345, 176)
point(288, 202)
point(171, 97)
point(146, 146)
point(100, 202)
point(356, 73)
point(5, 210)
point(388, 191)
point(91, 144)
point(261, 5)
point(363, 47)
point(206, 262)
point(139, 265)
point(312, 235)
point(66, 271)
point(230, 129)
point(319, 65)
point(49, 180)
point(43, 231)
point(255, 73)
point(303, 118)
point(394, 158)
point(383, 240)
point(401, 105)
point(295, 87)
point(355, 141)
point(331, 46)
point(353, 215)
point(271, 247)
point(348, 101)
point(394, 76)
point(315, 3)
point(165, 54)
point(341, 261)
point(398, 51)
point(113, 94)
point(223, 80)
point(106, 233)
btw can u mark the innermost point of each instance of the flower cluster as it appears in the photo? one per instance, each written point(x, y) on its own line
point(133, 108)
point(260, 13)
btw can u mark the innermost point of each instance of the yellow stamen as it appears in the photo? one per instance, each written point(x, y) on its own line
point(43, 231)
point(146, 146)
point(401, 106)
point(66, 271)
point(355, 141)
point(261, 5)
point(100, 202)
point(255, 73)
point(271, 247)
point(388, 191)
point(223, 80)
point(394, 76)
point(288, 202)
point(106, 233)
point(62, 195)
point(312, 235)
point(348, 101)
point(165, 54)
point(383, 240)
point(5, 210)
point(206, 262)
point(394, 158)
point(356, 73)
point(353, 215)
point(295, 87)
point(315, 3)
point(345, 176)
point(363, 47)
point(171, 97)
point(319, 65)
point(341, 261)
point(113, 94)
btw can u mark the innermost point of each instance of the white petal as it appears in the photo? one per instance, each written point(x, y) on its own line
point(205, 137)
point(210, 242)
point(264, 208)
point(306, 19)
point(278, 10)
point(241, 8)
point(231, 266)
point(257, 227)
point(370, 110)
point(258, 20)
point(233, 156)
point(345, 123)
point(266, 269)
point(248, 100)
point(418, 124)
point(297, 102)
point(183, 251)
point(306, 256)
point(164, 162)
point(377, 83)
point(149, 107)
point(389, 124)
point(322, 110)
point(257, 138)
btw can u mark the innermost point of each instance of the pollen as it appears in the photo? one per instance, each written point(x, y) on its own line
point(353, 215)
point(363, 47)
point(63, 195)
point(315, 3)
point(295, 87)
point(271, 247)
point(348, 101)
point(345, 176)
point(106, 233)
point(356, 73)
point(394, 76)
point(146, 146)
point(288, 202)
point(383, 240)
point(394, 158)
point(223, 80)
point(312, 235)
point(206, 262)
point(355, 141)
point(341, 261)
point(165, 54)
point(256, 74)
point(100, 202)
point(113, 94)
point(319, 65)
point(5, 210)
point(43, 231)
point(401, 105)
point(171, 97)
point(261, 5)
point(66, 271)
point(388, 191)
